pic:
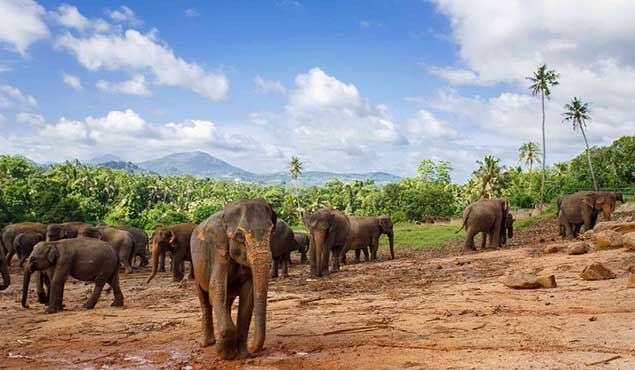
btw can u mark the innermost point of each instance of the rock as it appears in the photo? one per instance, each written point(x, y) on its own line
point(608, 239)
point(527, 280)
point(628, 240)
point(597, 271)
point(578, 248)
point(631, 281)
point(620, 227)
point(601, 226)
point(551, 249)
point(588, 234)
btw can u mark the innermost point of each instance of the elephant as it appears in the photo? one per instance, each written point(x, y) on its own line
point(66, 230)
point(231, 252)
point(24, 244)
point(121, 241)
point(84, 259)
point(176, 239)
point(582, 208)
point(303, 241)
point(4, 271)
point(365, 233)
point(328, 231)
point(141, 242)
point(485, 216)
point(9, 233)
point(282, 244)
point(507, 231)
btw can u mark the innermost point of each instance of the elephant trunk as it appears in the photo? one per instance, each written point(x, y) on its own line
point(391, 243)
point(4, 270)
point(156, 251)
point(260, 271)
point(25, 285)
point(321, 258)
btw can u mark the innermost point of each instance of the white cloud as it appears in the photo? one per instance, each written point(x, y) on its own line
point(191, 12)
point(425, 124)
point(123, 15)
point(456, 76)
point(72, 81)
point(269, 86)
point(12, 97)
point(136, 51)
point(31, 118)
point(70, 17)
point(21, 24)
point(315, 90)
point(135, 86)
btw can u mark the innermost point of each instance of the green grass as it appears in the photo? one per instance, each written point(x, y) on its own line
point(530, 221)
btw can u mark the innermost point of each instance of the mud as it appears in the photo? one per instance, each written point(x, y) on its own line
point(442, 309)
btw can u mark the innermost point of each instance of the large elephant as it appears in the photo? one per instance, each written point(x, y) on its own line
point(141, 242)
point(24, 243)
point(485, 216)
point(84, 259)
point(282, 244)
point(582, 208)
point(11, 231)
point(66, 230)
point(328, 230)
point(365, 233)
point(303, 241)
point(231, 252)
point(4, 271)
point(176, 239)
point(121, 241)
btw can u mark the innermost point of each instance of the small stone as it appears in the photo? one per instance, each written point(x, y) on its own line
point(597, 271)
point(547, 281)
point(578, 248)
point(526, 280)
point(631, 281)
point(629, 241)
point(593, 318)
point(608, 239)
point(588, 234)
point(551, 249)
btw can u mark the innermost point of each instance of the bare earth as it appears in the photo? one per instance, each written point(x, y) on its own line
point(424, 310)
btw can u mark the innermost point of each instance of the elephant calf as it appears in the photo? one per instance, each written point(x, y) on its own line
point(485, 216)
point(365, 233)
point(303, 241)
point(84, 259)
point(282, 243)
point(24, 243)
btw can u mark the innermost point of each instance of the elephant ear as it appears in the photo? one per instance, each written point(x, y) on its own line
point(52, 254)
point(216, 234)
point(274, 216)
point(172, 238)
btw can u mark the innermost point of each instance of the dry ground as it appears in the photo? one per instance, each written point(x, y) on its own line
point(424, 310)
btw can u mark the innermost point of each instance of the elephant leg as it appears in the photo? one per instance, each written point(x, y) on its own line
point(161, 262)
point(124, 260)
point(207, 339)
point(274, 267)
point(92, 300)
point(243, 320)
point(143, 260)
point(285, 266)
point(492, 239)
point(57, 292)
point(343, 257)
point(221, 306)
point(40, 280)
point(303, 258)
point(358, 253)
point(116, 289)
point(469, 239)
point(191, 275)
point(10, 257)
point(365, 250)
point(483, 240)
point(336, 259)
point(178, 267)
point(374, 247)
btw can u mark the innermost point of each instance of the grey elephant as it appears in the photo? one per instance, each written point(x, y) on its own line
point(365, 233)
point(582, 209)
point(121, 241)
point(484, 216)
point(24, 244)
point(303, 241)
point(84, 259)
point(176, 240)
point(141, 242)
point(328, 230)
point(66, 230)
point(507, 231)
point(9, 233)
point(282, 244)
point(231, 252)
point(4, 271)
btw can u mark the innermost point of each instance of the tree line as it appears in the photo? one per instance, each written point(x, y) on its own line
point(75, 192)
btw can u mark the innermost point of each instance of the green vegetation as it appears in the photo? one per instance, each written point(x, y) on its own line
point(423, 236)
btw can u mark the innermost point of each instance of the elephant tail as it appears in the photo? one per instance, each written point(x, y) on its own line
point(465, 217)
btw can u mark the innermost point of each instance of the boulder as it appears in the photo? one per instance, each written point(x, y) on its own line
point(628, 240)
point(588, 234)
point(620, 227)
point(553, 248)
point(527, 280)
point(597, 271)
point(608, 239)
point(578, 248)
point(631, 281)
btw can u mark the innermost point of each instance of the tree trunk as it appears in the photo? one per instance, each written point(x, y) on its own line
point(530, 168)
point(588, 157)
point(544, 151)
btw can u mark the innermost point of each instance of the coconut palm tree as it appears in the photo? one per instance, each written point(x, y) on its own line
point(295, 169)
point(577, 113)
point(488, 175)
point(529, 152)
point(541, 80)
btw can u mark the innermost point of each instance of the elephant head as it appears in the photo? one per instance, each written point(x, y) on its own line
point(4, 270)
point(320, 223)
point(163, 238)
point(55, 232)
point(385, 224)
point(90, 232)
point(44, 255)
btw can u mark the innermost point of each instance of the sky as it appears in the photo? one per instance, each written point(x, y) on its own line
point(349, 86)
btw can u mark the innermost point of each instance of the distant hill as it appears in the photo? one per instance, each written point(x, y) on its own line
point(321, 177)
point(126, 166)
point(199, 164)
point(103, 159)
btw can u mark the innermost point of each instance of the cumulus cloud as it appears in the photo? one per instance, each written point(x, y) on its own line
point(72, 81)
point(143, 52)
point(31, 118)
point(191, 12)
point(12, 97)
point(269, 86)
point(123, 15)
point(21, 24)
point(427, 125)
point(135, 86)
point(69, 16)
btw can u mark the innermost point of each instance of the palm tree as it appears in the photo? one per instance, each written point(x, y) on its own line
point(488, 175)
point(577, 113)
point(529, 152)
point(541, 80)
point(295, 169)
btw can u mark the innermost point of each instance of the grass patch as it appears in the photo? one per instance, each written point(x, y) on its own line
point(531, 221)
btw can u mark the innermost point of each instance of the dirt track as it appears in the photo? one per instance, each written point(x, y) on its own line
point(421, 311)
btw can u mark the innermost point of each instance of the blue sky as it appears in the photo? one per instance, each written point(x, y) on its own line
point(347, 85)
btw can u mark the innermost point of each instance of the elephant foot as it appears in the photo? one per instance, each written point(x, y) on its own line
point(244, 353)
point(89, 305)
point(161, 269)
point(118, 303)
point(285, 275)
point(42, 298)
point(206, 342)
point(51, 309)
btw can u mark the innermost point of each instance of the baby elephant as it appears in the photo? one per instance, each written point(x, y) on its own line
point(84, 259)
point(24, 243)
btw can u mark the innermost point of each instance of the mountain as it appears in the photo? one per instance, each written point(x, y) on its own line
point(103, 159)
point(126, 166)
point(199, 164)
point(320, 177)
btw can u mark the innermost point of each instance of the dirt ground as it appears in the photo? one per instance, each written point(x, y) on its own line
point(424, 310)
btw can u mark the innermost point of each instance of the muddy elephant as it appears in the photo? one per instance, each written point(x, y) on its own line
point(84, 259)
point(176, 240)
point(231, 252)
point(9, 233)
point(365, 233)
point(282, 244)
point(303, 241)
point(582, 208)
point(485, 216)
point(328, 231)
point(4, 271)
point(121, 241)
point(24, 243)
point(66, 230)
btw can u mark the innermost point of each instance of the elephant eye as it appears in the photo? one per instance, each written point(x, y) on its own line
point(238, 236)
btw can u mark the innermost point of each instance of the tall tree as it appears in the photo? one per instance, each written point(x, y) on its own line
point(488, 175)
point(577, 113)
point(295, 169)
point(541, 81)
point(529, 152)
